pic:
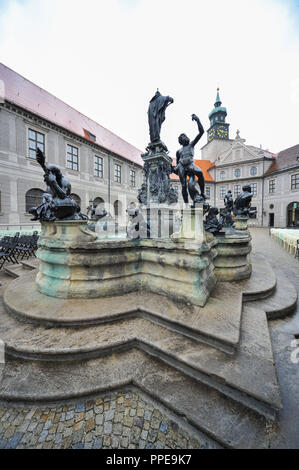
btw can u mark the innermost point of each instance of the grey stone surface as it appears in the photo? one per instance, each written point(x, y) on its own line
point(78, 436)
point(217, 324)
point(173, 387)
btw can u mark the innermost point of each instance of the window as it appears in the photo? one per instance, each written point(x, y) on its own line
point(237, 190)
point(99, 200)
point(272, 186)
point(98, 166)
point(133, 178)
point(72, 158)
point(208, 192)
point(295, 181)
point(222, 192)
point(222, 175)
point(253, 213)
point(33, 198)
point(117, 208)
point(36, 140)
point(253, 171)
point(237, 173)
point(254, 188)
point(117, 173)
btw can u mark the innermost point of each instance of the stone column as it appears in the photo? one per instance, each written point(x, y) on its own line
point(242, 223)
point(192, 225)
point(14, 215)
point(157, 195)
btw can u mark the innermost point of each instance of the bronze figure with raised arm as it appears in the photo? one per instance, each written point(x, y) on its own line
point(185, 166)
point(57, 202)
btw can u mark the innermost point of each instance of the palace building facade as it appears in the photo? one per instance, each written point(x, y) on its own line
point(229, 164)
point(101, 166)
point(104, 168)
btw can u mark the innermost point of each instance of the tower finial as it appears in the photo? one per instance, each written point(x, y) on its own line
point(218, 101)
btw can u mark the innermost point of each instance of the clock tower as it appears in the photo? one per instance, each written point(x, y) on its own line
point(219, 129)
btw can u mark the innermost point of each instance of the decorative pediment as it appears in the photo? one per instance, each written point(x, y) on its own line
point(239, 152)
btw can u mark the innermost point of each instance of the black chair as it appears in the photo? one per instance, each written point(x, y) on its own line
point(27, 245)
point(8, 248)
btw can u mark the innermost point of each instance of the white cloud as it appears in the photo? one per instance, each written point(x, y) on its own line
point(107, 57)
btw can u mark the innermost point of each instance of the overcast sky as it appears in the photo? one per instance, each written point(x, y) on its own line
point(106, 58)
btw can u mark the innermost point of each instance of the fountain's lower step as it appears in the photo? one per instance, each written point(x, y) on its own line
point(247, 377)
point(229, 423)
point(216, 324)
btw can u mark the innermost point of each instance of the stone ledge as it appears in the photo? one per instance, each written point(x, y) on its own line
point(257, 389)
point(228, 423)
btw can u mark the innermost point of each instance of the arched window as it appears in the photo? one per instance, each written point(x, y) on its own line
point(237, 173)
point(76, 198)
point(117, 208)
point(222, 175)
point(33, 198)
point(253, 171)
point(98, 200)
point(293, 214)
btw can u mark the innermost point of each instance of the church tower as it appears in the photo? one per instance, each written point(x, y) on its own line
point(219, 129)
point(218, 133)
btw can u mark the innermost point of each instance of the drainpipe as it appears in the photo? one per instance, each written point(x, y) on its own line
point(109, 179)
point(263, 184)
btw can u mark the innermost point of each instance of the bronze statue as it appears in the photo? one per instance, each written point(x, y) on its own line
point(242, 204)
point(186, 168)
point(226, 218)
point(212, 224)
point(57, 202)
point(156, 114)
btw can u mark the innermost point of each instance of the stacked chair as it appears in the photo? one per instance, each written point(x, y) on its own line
point(13, 248)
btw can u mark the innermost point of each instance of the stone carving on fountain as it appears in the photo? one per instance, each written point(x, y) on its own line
point(157, 187)
point(57, 201)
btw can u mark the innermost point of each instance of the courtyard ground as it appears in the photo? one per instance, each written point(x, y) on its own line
point(283, 333)
point(130, 419)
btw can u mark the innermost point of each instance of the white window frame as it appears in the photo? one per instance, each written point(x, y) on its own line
point(66, 152)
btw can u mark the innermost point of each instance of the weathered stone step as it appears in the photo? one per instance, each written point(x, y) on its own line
point(282, 302)
point(229, 423)
point(257, 388)
point(262, 282)
point(217, 324)
point(14, 271)
point(30, 264)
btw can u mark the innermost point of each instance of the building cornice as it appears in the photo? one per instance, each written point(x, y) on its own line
point(48, 125)
point(282, 170)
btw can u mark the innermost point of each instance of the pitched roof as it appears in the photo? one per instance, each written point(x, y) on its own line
point(285, 159)
point(27, 95)
point(204, 165)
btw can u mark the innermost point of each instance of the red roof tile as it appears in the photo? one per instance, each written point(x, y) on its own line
point(204, 165)
point(31, 97)
point(285, 159)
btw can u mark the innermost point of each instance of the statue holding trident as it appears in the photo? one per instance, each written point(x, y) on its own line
point(156, 114)
point(185, 166)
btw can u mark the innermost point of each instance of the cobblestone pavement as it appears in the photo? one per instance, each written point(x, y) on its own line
point(111, 421)
point(283, 332)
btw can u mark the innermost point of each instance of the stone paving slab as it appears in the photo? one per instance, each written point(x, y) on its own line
point(258, 388)
point(126, 419)
point(229, 423)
